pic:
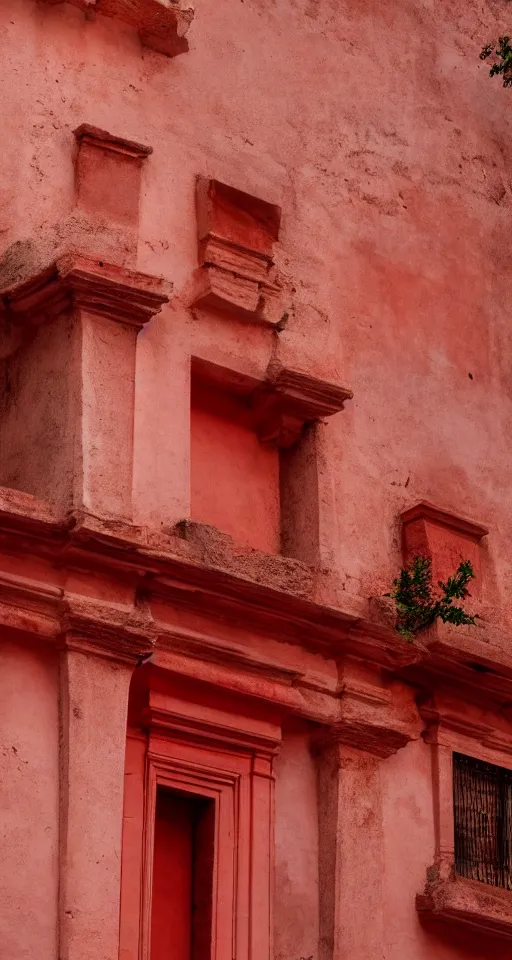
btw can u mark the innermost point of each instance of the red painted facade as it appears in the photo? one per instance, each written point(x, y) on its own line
point(254, 356)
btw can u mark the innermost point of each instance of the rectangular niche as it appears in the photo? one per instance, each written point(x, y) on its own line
point(234, 479)
point(254, 463)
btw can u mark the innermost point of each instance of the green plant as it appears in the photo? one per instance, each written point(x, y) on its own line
point(502, 63)
point(416, 605)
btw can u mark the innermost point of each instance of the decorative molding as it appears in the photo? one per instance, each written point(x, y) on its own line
point(446, 720)
point(288, 400)
point(162, 24)
point(372, 719)
point(483, 908)
point(211, 722)
point(236, 233)
point(88, 135)
point(79, 282)
point(108, 630)
point(428, 512)
point(120, 632)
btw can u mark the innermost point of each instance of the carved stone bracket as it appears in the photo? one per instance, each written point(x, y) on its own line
point(236, 233)
point(282, 404)
point(73, 281)
point(162, 24)
point(288, 400)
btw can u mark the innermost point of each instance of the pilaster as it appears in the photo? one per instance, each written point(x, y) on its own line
point(373, 726)
point(95, 673)
point(79, 320)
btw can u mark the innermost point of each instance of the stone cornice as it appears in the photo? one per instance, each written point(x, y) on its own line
point(444, 722)
point(72, 281)
point(274, 595)
point(123, 633)
point(86, 133)
point(423, 510)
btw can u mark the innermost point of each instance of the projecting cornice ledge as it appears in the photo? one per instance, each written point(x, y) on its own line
point(95, 286)
point(162, 24)
point(482, 908)
point(372, 718)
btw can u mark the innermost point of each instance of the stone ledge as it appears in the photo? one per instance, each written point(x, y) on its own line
point(479, 906)
point(109, 290)
point(162, 24)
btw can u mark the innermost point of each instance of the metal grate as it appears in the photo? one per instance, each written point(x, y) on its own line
point(482, 801)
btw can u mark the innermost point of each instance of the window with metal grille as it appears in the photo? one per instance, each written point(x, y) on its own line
point(482, 800)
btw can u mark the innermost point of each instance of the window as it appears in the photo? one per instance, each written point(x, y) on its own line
point(483, 821)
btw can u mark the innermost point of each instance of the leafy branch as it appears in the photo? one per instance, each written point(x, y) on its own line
point(416, 605)
point(501, 51)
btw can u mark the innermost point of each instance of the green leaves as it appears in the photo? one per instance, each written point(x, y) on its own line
point(416, 605)
point(502, 51)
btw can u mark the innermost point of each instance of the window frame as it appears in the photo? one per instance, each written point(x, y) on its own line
point(491, 775)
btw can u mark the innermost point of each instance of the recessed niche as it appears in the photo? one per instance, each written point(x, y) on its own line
point(234, 478)
point(254, 464)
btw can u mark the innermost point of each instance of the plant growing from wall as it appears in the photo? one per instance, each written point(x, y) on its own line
point(501, 53)
point(417, 607)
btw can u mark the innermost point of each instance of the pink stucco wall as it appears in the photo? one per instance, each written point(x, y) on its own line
point(29, 802)
point(374, 127)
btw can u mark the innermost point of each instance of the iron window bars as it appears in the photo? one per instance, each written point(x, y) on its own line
point(482, 799)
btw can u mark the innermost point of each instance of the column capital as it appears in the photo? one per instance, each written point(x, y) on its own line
point(126, 636)
point(376, 717)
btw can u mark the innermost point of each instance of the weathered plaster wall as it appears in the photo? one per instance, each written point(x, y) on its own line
point(376, 130)
point(388, 152)
point(29, 802)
